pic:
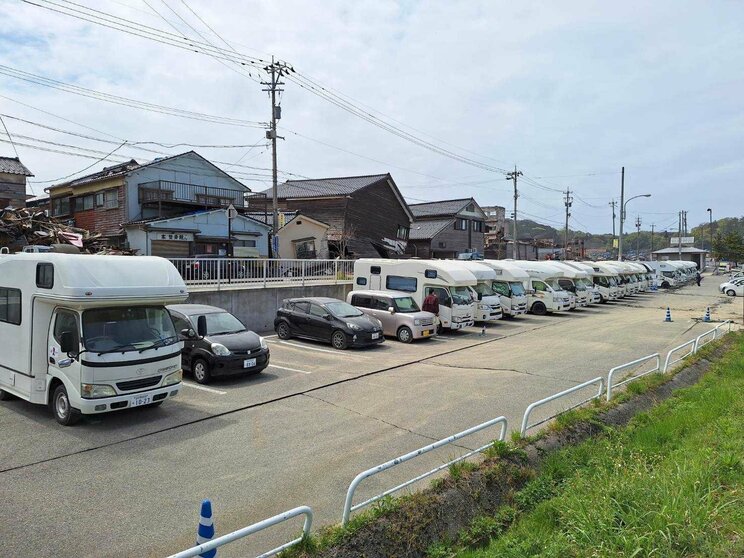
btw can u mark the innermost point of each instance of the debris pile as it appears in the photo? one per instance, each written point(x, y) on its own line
point(32, 227)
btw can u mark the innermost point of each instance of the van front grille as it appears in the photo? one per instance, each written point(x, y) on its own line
point(140, 383)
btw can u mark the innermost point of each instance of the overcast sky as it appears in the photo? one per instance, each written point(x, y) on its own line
point(567, 91)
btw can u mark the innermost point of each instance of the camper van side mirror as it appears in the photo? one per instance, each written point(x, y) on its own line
point(68, 344)
point(188, 333)
point(480, 296)
point(201, 326)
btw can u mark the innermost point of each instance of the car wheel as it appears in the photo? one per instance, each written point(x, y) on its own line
point(731, 292)
point(338, 340)
point(405, 335)
point(539, 309)
point(282, 330)
point(62, 409)
point(200, 370)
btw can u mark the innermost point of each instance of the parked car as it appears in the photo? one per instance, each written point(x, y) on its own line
point(216, 343)
point(206, 266)
point(735, 287)
point(401, 317)
point(327, 319)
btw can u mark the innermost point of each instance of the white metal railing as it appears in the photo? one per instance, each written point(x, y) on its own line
point(709, 336)
point(525, 426)
point(668, 361)
point(632, 364)
point(255, 528)
point(261, 272)
point(348, 507)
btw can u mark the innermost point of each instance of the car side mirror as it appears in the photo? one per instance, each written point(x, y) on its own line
point(68, 345)
point(391, 309)
point(188, 332)
point(480, 296)
point(327, 317)
point(201, 326)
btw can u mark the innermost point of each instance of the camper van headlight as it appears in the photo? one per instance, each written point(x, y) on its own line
point(94, 391)
point(173, 378)
point(220, 350)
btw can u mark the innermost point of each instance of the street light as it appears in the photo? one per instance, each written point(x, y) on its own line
point(622, 220)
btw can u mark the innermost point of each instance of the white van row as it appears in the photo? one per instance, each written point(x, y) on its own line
point(484, 291)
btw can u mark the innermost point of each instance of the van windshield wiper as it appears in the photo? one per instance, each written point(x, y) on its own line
point(165, 341)
point(120, 348)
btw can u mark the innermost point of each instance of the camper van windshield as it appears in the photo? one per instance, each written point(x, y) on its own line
point(554, 284)
point(127, 328)
point(461, 296)
point(484, 289)
point(517, 288)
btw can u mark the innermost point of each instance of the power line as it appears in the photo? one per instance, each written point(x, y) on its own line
point(105, 157)
point(9, 137)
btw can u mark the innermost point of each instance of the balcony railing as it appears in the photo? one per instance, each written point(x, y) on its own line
point(168, 192)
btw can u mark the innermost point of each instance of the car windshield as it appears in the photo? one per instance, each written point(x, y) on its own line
point(219, 323)
point(127, 328)
point(343, 310)
point(405, 304)
point(517, 288)
point(461, 296)
point(484, 289)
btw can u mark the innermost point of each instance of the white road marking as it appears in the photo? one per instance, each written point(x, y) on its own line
point(287, 368)
point(269, 336)
point(204, 388)
point(309, 348)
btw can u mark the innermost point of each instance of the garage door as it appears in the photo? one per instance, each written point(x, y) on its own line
point(169, 249)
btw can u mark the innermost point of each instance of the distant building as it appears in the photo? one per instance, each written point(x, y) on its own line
point(13, 176)
point(689, 254)
point(366, 215)
point(299, 237)
point(444, 229)
point(495, 234)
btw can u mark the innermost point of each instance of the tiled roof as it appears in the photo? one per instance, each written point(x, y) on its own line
point(107, 172)
point(325, 187)
point(444, 207)
point(426, 230)
point(12, 165)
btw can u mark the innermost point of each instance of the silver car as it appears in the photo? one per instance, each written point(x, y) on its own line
point(401, 317)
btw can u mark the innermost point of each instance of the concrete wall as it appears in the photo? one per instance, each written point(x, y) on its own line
point(256, 308)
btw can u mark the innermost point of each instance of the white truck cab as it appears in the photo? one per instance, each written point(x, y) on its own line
point(448, 279)
point(510, 285)
point(544, 294)
point(604, 280)
point(88, 334)
point(574, 282)
point(586, 278)
point(488, 303)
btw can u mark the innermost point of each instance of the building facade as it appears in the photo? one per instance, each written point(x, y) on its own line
point(13, 176)
point(447, 228)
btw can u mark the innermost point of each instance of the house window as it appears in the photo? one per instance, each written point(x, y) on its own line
point(477, 226)
point(10, 306)
point(60, 206)
point(111, 199)
point(471, 208)
point(402, 232)
point(305, 249)
point(100, 197)
point(245, 243)
point(85, 203)
point(461, 224)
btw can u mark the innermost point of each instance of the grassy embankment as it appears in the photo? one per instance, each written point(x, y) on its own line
point(671, 484)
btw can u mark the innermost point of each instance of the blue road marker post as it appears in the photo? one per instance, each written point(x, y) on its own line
point(205, 532)
point(668, 315)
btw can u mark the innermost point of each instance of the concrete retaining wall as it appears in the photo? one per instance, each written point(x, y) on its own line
point(256, 308)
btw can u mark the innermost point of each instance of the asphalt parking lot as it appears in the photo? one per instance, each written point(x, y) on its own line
point(299, 432)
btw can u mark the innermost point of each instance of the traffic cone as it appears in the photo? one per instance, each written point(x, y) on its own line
point(483, 329)
point(668, 315)
point(205, 532)
point(707, 314)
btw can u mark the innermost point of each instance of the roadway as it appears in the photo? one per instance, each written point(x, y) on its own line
point(130, 483)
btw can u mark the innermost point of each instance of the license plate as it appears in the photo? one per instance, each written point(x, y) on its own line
point(426, 333)
point(375, 336)
point(140, 400)
point(249, 363)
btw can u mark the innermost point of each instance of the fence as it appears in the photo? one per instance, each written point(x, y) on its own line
point(632, 364)
point(254, 272)
point(348, 508)
point(255, 528)
point(532, 406)
point(668, 362)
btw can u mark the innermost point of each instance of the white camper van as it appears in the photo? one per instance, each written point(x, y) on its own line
point(88, 334)
point(604, 280)
point(510, 285)
point(488, 302)
point(573, 282)
point(449, 280)
point(586, 278)
point(544, 294)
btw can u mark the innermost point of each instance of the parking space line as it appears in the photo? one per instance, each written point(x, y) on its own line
point(287, 368)
point(204, 388)
point(307, 347)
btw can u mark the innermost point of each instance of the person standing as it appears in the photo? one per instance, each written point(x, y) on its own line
point(431, 304)
point(698, 278)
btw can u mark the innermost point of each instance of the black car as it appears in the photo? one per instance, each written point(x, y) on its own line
point(327, 319)
point(216, 343)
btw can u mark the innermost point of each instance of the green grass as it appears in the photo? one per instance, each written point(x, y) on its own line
point(671, 484)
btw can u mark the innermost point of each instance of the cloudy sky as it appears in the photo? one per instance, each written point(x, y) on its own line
point(567, 91)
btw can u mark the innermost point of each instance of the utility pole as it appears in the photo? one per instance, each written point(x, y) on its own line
point(622, 215)
point(638, 237)
point(679, 236)
point(568, 201)
point(276, 70)
point(710, 231)
point(613, 203)
point(513, 176)
point(652, 242)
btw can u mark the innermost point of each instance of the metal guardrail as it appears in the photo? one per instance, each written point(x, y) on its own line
point(255, 528)
point(709, 336)
point(255, 272)
point(532, 406)
point(668, 362)
point(632, 364)
point(348, 508)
